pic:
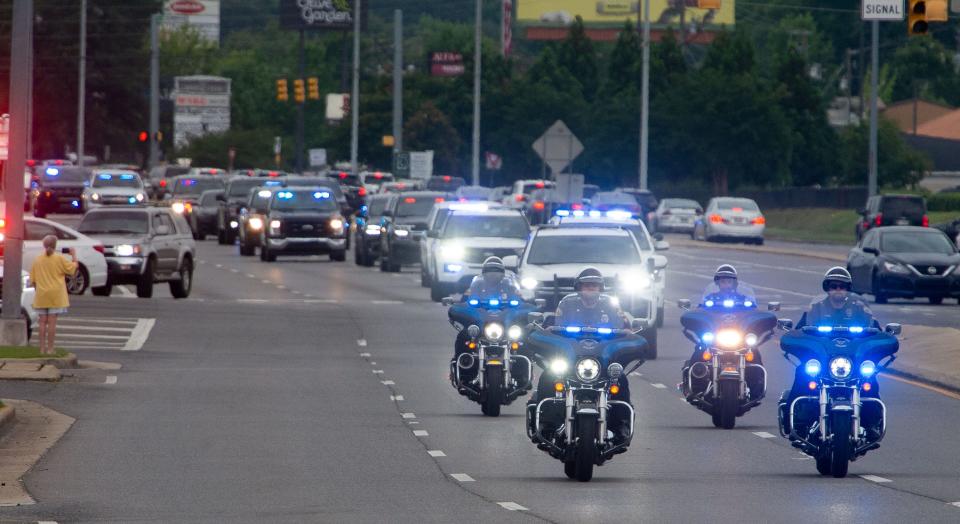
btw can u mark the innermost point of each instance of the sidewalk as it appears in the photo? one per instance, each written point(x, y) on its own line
point(930, 355)
point(802, 250)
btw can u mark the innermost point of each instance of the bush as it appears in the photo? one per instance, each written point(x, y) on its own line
point(944, 202)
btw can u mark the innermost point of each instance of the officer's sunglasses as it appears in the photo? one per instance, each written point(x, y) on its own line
point(837, 285)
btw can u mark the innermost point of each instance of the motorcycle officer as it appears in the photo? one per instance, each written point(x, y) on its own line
point(840, 306)
point(589, 307)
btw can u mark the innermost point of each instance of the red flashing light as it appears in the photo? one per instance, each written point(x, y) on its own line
point(273, 173)
point(520, 198)
point(576, 207)
point(926, 221)
point(438, 199)
point(446, 178)
point(362, 191)
point(538, 206)
point(409, 200)
point(378, 175)
point(60, 162)
point(541, 185)
point(31, 163)
point(342, 175)
point(879, 219)
point(163, 183)
point(143, 137)
point(98, 248)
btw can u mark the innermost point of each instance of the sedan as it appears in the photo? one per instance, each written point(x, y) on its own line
point(93, 265)
point(731, 218)
point(905, 262)
point(676, 215)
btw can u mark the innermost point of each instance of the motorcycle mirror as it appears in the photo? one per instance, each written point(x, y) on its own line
point(534, 318)
point(638, 324)
point(614, 371)
point(893, 329)
point(785, 324)
point(473, 330)
point(683, 303)
point(773, 306)
point(540, 303)
point(447, 301)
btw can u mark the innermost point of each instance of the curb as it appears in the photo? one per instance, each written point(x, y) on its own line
point(944, 382)
point(7, 418)
point(45, 373)
point(68, 362)
point(757, 249)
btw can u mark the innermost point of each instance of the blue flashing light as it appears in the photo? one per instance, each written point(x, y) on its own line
point(707, 338)
point(453, 268)
point(573, 329)
point(728, 303)
point(604, 331)
point(272, 183)
point(578, 213)
point(812, 367)
point(493, 302)
point(190, 182)
point(284, 195)
point(364, 208)
point(824, 329)
point(562, 213)
point(75, 203)
point(514, 302)
point(856, 329)
point(132, 200)
point(126, 177)
point(52, 171)
point(595, 214)
point(747, 303)
point(708, 303)
point(105, 177)
point(868, 368)
point(321, 195)
point(473, 302)
point(619, 214)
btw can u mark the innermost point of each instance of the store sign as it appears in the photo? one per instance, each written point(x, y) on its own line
point(446, 64)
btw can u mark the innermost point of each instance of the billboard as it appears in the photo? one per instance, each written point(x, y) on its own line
point(204, 15)
point(446, 64)
point(201, 106)
point(317, 14)
point(613, 13)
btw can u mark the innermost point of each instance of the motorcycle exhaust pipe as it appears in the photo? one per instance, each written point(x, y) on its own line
point(699, 370)
point(466, 360)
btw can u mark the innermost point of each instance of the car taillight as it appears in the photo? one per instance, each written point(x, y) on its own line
point(759, 221)
point(362, 191)
point(98, 248)
point(925, 222)
point(716, 219)
point(576, 206)
point(520, 198)
point(878, 220)
point(3, 223)
point(163, 183)
point(538, 206)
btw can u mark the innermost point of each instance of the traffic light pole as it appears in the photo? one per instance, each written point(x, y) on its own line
point(154, 91)
point(477, 69)
point(874, 72)
point(397, 81)
point(355, 94)
point(299, 141)
point(645, 96)
point(13, 330)
point(82, 96)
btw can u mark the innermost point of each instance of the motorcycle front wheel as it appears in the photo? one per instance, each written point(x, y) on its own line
point(729, 403)
point(586, 448)
point(841, 426)
point(493, 382)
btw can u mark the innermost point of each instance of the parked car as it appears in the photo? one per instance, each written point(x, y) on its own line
point(731, 218)
point(27, 312)
point(143, 246)
point(647, 200)
point(676, 215)
point(59, 189)
point(892, 210)
point(114, 188)
point(92, 270)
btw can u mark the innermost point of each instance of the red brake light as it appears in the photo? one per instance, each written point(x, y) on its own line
point(378, 176)
point(31, 163)
point(59, 162)
point(520, 198)
point(540, 185)
point(716, 219)
point(446, 178)
point(576, 207)
point(879, 219)
point(98, 248)
point(759, 221)
point(926, 221)
point(343, 175)
point(163, 183)
point(273, 173)
point(362, 191)
point(438, 200)
point(538, 206)
point(409, 200)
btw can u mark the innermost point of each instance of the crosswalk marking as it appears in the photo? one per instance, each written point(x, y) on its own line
point(117, 334)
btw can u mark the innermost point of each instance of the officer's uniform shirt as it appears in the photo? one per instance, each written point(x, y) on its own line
point(572, 311)
point(504, 289)
point(853, 310)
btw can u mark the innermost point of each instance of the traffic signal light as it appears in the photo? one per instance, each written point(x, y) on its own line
point(282, 94)
point(313, 88)
point(143, 136)
point(298, 93)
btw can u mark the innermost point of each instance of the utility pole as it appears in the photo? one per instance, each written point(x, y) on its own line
point(81, 104)
point(298, 143)
point(13, 330)
point(355, 95)
point(154, 90)
point(477, 70)
point(645, 96)
point(874, 72)
point(397, 81)
point(30, 90)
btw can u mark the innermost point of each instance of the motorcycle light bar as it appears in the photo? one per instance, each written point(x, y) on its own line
point(824, 329)
point(573, 329)
point(856, 329)
point(473, 302)
point(595, 214)
point(493, 302)
point(604, 331)
point(562, 213)
point(707, 338)
point(514, 303)
point(729, 303)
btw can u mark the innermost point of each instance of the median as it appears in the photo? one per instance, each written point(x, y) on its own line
point(27, 363)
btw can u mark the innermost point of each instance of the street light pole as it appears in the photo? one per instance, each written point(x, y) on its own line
point(154, 90)
point(82, 97)
point(645, 96)
point(874, 72)
point(355, 94)
point(397, 81)
point(477, 70)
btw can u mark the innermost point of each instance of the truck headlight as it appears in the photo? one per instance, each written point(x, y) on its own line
point(275, 227)
point(180, 207)
point(140, 197)
point(633, 282)
point(126, 250)
point(529, 283)
point(95, 197)
point(256, 224)
point(453, 252)
point(336, 224)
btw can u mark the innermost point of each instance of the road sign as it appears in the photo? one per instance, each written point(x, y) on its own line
point(401, 165)
point(318, 157)
point(557, 147)
point(421, 164)
point(493, 161)
point(882, 10)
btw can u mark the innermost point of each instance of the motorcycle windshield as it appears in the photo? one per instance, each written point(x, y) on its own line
point(622, 349)
point(853, 313)
point(741, 296)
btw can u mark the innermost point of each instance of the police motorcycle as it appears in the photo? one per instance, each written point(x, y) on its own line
point(491, 373)
point(585, 364)
point(725, 377)
point(841, 417)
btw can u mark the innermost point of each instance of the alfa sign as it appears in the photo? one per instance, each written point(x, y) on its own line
point(882, 10)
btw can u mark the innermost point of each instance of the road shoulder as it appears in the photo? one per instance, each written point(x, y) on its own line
point(35, 430)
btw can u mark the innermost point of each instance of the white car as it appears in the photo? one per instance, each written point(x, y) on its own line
point(731, 218)
point(467, 238)
point(554, 256)
point(110, 187)
point(372, 180)
point(677, 215)
point(435, 222)
point(522, 189)
point(26, 300)
point(93, 265)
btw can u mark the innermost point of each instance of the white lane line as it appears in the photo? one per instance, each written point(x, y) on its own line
point(512, 506)
point(408, 415)
point(61, 329)
point(659, 386)
point(387, 302)
point(251, 275)
point(438, 453)
point(373, 363)
point(364, 355)
point(217, 265)
point(955, 504)
point(234, 270)
point(764, 434)
point(362, 342)
point(397, 398)
point(462, 477)
point(78, 335)
point(111, 379)
point(266, 282)
point(281, 287)
point(874, 478)
point(140, 334)
point(412, 422)
point(295, 292)
point(378, 372)
point(420, 433)
point(320, 300)
point(46, 522)
point(87, 320)
point(124, 292)
point(388, 383)
point(635, 374)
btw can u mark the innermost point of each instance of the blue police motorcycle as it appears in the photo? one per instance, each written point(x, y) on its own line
point(585, 365)
point(491, 372)
point(839, 416)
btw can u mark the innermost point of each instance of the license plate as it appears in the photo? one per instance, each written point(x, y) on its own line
point(739, 220)
point(903, 222)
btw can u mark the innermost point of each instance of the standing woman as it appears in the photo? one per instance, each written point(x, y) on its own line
point(48, 275)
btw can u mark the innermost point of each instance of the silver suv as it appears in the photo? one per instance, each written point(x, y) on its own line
point(143, 246)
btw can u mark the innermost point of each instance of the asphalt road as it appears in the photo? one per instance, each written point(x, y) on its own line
point(306, 390)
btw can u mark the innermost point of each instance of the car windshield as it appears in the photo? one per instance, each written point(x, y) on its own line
point(310, 200)
point(679, 203)
point(737, 204)
point(242, 187)
point(611, 199)
point(903, 207)
point(854, 312)
point(66, 174)
point(347, 179)
point(733, 294)
point(209, 199)
point(375, 206)
point(416, 206)
point(533, 186)
point(633, 228)
point(564, 249)
point(468, 226)
point(116, 180)
point(114, 223)
point(914, 242)
point(195, 186)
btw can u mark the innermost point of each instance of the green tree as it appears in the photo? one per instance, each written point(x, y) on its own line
point(577, 55)
point(924, 68)
point(813, 154)
point(898, 165)
point(430, 129)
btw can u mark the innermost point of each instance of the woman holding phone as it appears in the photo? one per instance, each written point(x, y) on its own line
point(48, 274)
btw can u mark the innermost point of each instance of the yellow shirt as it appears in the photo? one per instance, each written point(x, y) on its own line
point(47, 274)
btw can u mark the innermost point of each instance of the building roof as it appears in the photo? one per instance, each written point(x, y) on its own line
point(946, 126)
point(901, 113)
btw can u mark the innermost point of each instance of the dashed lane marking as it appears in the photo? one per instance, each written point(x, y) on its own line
point(234, 270)
point(511, 506)
point(420, 433)
point(462, 477)
point(377, 372)
point(111, 379)
point(764, 434)
point(412, 422)
point(266, 281)
point(398, 398)
point(438, 453)
point(217, 265)
point(251, 275)
point(124, 292)
point(955, 504)
point(387, 302)
point(408, 415)
point(364, 355)
point(388, 383)
point(659, 386)
point(874, 478)
point(281, 287)
point(373, 363)
point(362, 342)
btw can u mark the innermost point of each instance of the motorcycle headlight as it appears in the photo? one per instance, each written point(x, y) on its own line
point(559, 366)
point(895, 268)
point(750, 339)
point(372, 229)
point(515, 332)
point(256, 224)
point(529, 283)
point(633, 282)
point(493, 331)
point(141, 197)
point(126, 250)
point(840, 367)
point(868, 368)
point(588, 369)
point(453, 252)
point(401, 232)
point(95, 197)
point(812, 367)
point(729, 338)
